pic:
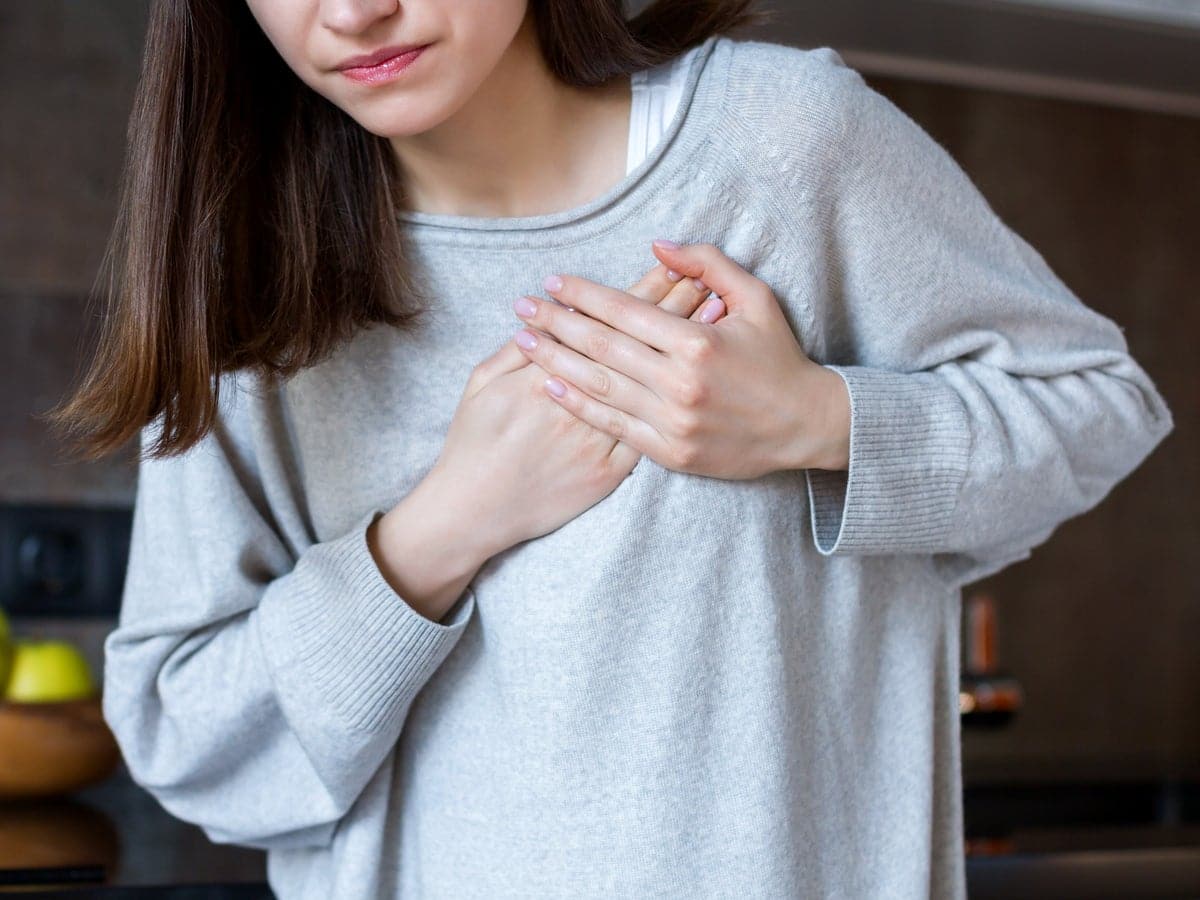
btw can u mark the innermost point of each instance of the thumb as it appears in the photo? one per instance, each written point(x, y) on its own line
point(729, 281)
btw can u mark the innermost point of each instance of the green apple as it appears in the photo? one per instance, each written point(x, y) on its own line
point(44, 671)
point(6, 650)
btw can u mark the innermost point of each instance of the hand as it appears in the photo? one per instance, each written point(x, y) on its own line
point(505, 418)
point(735, 399)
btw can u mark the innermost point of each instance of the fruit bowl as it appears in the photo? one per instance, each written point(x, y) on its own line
point(54, 748)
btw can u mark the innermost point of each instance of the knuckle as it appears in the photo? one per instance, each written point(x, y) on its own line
point(597, 346)
point(615, 426)
point(684, 423)
point(612, 309)
point(684, 455)
point(600, 383)
point(699, 347)
point(691, 392)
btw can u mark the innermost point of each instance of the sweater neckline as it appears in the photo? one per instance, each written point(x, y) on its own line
point(688, 130)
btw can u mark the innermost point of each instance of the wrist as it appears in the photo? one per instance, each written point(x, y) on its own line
point(435, 521)
point(423, 551)
point(822, 424)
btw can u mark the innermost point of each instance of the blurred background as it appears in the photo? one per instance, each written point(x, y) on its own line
point(1079, 120)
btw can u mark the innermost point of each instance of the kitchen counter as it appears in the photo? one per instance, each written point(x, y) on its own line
point(115, 834)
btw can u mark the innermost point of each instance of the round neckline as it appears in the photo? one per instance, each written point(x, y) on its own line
point(679, 139)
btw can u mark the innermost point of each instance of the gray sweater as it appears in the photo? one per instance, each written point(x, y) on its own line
point(697, 687)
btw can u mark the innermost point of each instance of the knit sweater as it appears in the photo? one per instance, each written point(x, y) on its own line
point(697, 687)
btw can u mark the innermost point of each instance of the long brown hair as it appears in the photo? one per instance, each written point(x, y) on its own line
point(257, 225)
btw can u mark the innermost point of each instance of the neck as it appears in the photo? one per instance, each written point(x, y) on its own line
point(525, 144)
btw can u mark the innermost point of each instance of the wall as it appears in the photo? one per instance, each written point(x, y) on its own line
point(1098, 625)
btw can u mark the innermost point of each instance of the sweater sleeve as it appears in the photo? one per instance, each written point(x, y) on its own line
point(255, 688)
point(988, 403)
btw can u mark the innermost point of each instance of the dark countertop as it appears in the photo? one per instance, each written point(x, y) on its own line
point(121, 828)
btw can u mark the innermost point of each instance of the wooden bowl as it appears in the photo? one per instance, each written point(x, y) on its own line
point(54, 748)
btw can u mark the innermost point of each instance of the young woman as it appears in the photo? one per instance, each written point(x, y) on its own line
point(418, 626)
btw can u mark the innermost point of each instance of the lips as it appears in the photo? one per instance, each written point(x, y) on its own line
point(374, 59)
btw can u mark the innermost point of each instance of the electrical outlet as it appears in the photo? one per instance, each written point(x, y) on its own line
point(63, 560)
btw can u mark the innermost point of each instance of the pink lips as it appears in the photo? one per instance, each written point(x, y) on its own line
point(384, 70)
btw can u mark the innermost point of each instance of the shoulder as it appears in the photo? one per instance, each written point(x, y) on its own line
point(806, 113)
point(765, 76)
point(790, 107)
point(782, 61)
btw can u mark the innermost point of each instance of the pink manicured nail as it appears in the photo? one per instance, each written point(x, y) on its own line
point(663, 242)
point(712, 309)
point(556, 387)
point(553, 283)
point(672, 275)
point(700, 285)
point(525, 340)
point(523, 306)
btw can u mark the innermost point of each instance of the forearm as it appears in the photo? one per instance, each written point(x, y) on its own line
point(426, 548)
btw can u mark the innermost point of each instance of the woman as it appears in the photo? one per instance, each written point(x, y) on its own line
point(419, 627)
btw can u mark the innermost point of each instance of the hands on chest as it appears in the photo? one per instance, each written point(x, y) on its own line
point(719, 388)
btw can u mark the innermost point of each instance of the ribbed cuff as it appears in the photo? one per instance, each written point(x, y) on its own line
point(336, 624)
point(910, 442)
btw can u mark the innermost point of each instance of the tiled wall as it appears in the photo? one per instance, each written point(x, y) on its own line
point(1099, 625)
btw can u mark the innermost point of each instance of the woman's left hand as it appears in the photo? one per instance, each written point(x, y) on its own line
point(734, 399)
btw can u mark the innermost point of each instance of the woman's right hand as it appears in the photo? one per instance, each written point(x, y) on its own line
point(523, 463)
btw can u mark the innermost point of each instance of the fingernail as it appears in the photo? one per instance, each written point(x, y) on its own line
point(663, 242)
point(556, 387)
point(553, 283)
point(523, 306)
point(711, 310)
point(525, 340)
point(672, 275)
point(700, 285)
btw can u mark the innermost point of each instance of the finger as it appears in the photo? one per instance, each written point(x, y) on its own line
point(613, 422)
point(669, 290)
point(623, 458)
point(507, 358)
point(598, 342)
point(709, 311)
point(684, 298)
point(613, 388)
point(628, 315)
point(722, 275)
point(655, 285)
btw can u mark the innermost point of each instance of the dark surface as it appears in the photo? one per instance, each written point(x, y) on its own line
point(1098, 875)
point(1161, 807)
point(170, 892)
point(121, 829)
point(1132, 839)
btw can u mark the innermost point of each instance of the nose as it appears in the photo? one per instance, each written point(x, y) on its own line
point(355, 16)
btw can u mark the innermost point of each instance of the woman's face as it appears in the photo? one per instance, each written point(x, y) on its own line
point(467, 38)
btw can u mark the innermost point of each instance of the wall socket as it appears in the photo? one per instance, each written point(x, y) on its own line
point(64, 561)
